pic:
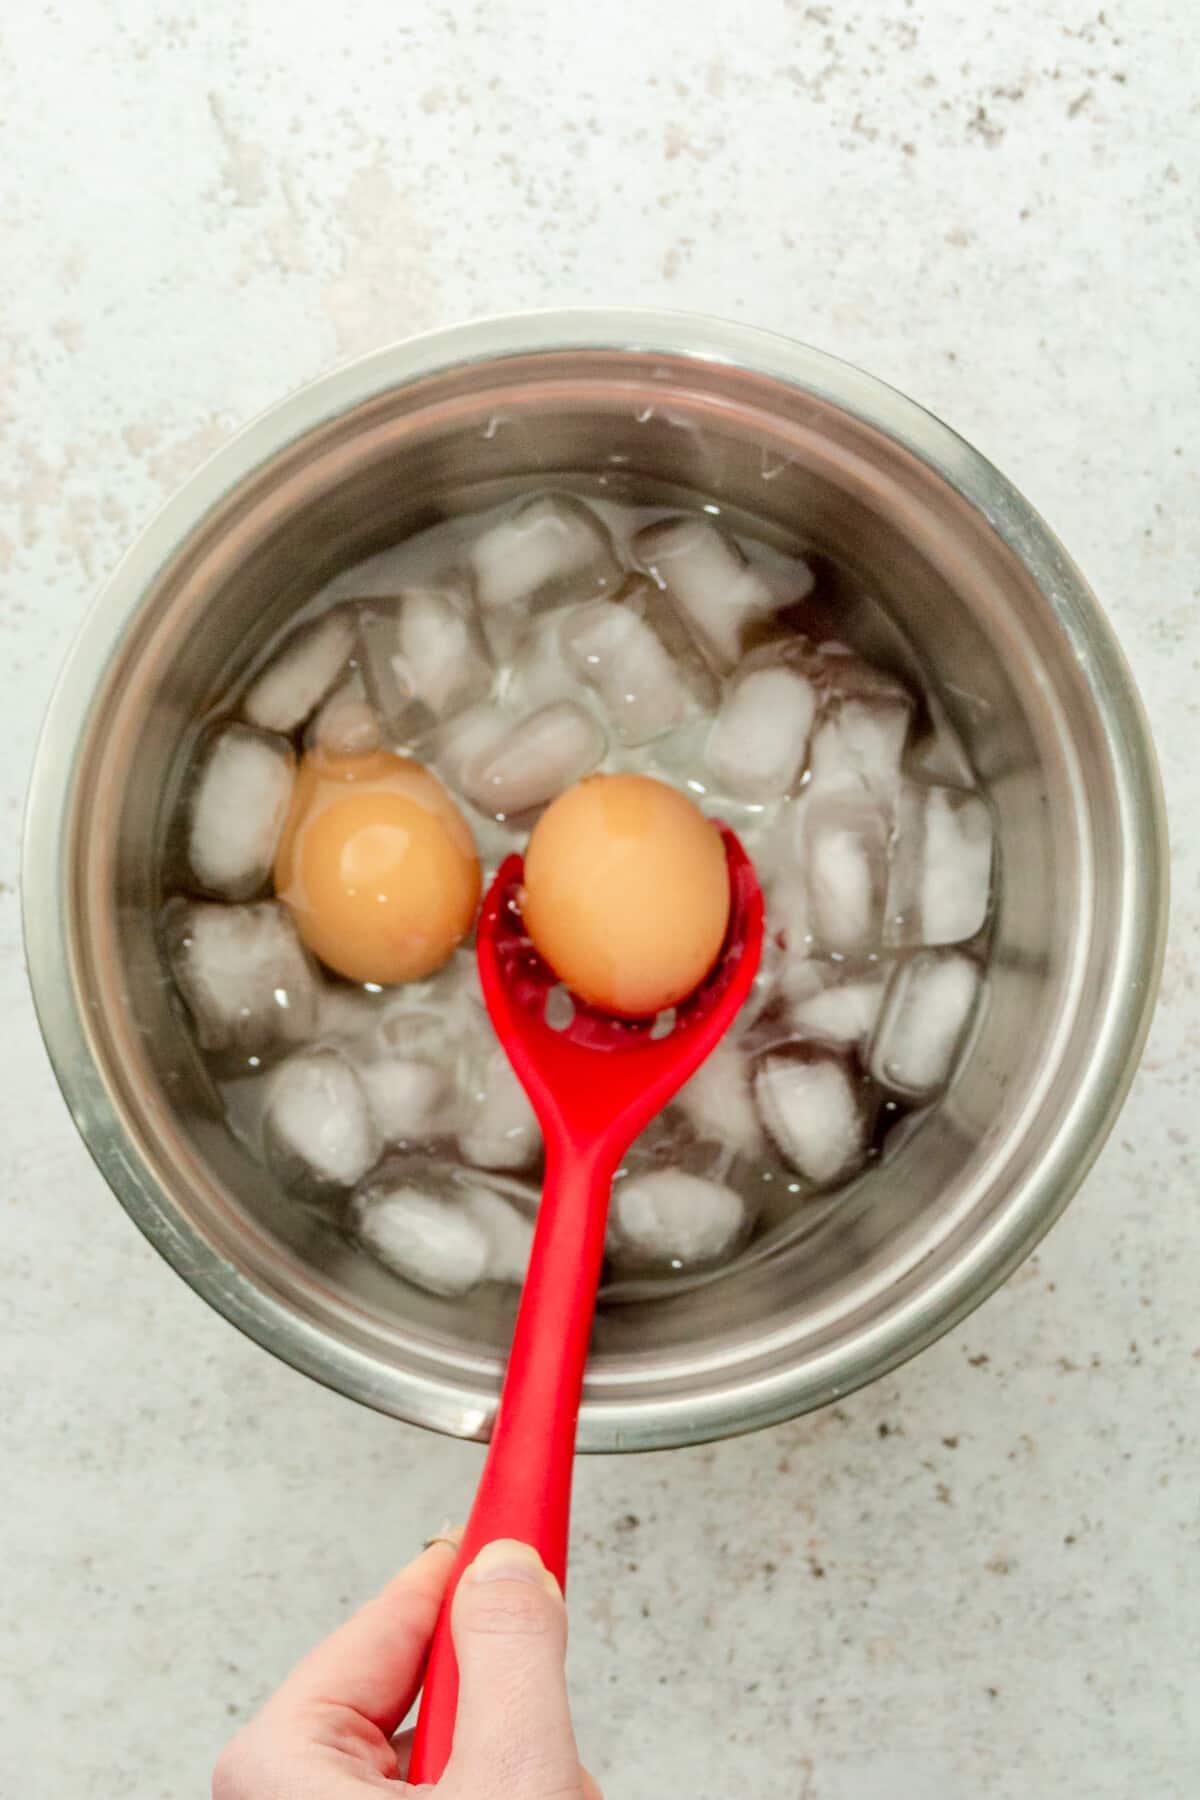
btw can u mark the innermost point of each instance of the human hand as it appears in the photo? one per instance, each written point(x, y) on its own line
point(328, 1734)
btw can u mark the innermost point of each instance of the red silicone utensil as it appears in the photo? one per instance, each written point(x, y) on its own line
point(595, 1085)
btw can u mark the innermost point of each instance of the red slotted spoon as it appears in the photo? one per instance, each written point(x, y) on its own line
point(594, 1086)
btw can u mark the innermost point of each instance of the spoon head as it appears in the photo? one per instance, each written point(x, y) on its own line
point(596, 1080)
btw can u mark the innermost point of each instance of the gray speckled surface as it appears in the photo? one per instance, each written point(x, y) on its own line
point(977, 1578)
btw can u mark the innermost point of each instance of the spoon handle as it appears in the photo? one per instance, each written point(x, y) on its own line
point(525, 1489)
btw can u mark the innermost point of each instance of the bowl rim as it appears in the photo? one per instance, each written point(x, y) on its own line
point(1099, 1090)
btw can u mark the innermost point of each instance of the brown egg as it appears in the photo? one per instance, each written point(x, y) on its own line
point(626, 893)
point(377, 866)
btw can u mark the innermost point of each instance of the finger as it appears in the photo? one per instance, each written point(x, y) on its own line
point(372, 1665)
point(591, 1787)
point(513, 1733)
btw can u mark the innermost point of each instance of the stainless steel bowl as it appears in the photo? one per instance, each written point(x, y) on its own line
point(671, 406)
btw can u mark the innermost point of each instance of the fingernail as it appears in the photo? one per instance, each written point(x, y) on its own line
point(508, 1560)
point(449, 1533)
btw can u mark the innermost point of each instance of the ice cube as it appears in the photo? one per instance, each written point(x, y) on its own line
point(552, 548)
point(423, 659)
point(846, 840)
point(859, 743)
point(459, 980)
point(671, 1218)
point(509, 1233)
point(238, 808)
point(642, 595)
point(644, 692)
point(719, 594)
point(929, 1004)
point(317, 1125)
point(454, 992)
point(430, 1021)
point(244, 974)
point(534, 761)
point(411, 1030)
point(410, 1099)
point(347, 724)
point(433, 1242)
point(466, 739)
point(759, 738)
point(941, 876)
point(346, 1013)
point(826, 1003)
point(299, 675)
point(538, 674)
point(766, 980)
point(440, 645)
point(718, 1103)
point(500, 1128)
point(680, 756)
point(812, 1108)
point(789, 911)
point(938, 754)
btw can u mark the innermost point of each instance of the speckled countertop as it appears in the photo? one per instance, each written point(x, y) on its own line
point(978, 1577)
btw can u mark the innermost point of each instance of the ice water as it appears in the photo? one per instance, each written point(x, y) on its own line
point(515, 651)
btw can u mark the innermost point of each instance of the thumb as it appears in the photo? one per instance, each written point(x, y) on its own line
point(513, 1738)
